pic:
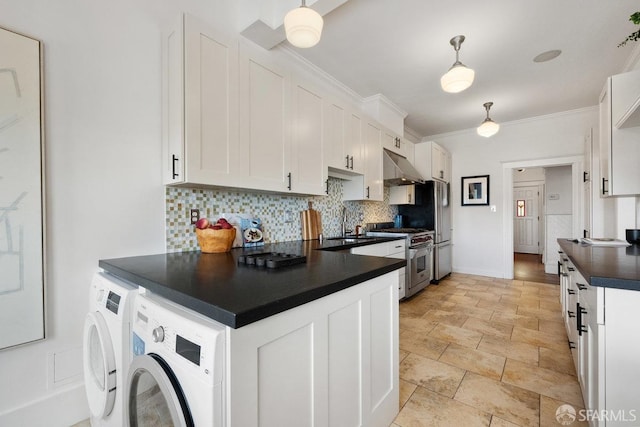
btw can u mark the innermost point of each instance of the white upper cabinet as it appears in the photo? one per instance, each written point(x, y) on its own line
point(373, 162)
point(397, 144)
point(200, 91)
point(402, 195)
point(343, 138)
point(308, 170)
point(265, 144)
point(620, 138)
point(432, 161)
point(368, 186)
point(625, 104)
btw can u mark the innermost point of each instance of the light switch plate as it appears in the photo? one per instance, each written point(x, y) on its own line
point(494, 208)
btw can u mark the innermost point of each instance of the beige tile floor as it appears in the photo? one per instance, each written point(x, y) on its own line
point(477, 351)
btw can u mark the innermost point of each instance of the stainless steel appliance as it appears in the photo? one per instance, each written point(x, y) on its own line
point(419, 247)
point(432, 211)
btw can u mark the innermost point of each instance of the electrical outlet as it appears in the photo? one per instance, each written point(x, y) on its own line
point(288, 216)
point(195, 215)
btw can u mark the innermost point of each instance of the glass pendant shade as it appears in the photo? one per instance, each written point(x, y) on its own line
point(303, 27)
point(457, 79)
point(488, 128)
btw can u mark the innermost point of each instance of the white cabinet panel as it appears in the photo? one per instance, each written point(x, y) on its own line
point(201, 105)
point(309, 171)
point(296, 392)
point(373, 162)
point(345, 366)
point(619, 147)
point(265, 91)
point(323, 363)
point(432, 161)
point(402, 195)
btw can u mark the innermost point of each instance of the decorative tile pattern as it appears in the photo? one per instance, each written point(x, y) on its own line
point(273, 209)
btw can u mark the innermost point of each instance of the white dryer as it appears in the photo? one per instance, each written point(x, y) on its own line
point(107, 351)
point(176, 377)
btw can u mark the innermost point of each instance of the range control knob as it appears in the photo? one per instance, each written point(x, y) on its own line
point(158, 334)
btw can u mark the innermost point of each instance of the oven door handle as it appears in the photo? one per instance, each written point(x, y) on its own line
point(421, 250)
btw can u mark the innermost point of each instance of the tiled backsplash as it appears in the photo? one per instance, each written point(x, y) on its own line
point(272, 209)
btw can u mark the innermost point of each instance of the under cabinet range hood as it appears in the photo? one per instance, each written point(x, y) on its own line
point(396, 170)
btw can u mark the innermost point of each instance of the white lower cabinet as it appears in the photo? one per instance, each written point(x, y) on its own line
point(393, 249)
point(606, 349)
point(330, 362)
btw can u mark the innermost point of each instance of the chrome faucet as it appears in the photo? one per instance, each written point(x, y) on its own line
point(344, 221)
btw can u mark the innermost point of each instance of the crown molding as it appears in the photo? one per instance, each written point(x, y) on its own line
point(515, 122)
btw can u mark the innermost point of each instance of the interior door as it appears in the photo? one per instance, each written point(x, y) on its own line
point(526, 220)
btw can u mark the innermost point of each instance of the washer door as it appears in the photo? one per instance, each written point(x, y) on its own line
point(99, 366)
point(154, 396)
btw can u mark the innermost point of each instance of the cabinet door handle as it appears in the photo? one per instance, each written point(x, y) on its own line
point(585, 233)
point(571, 345)
point(368, 192)
point(441, 174)
point(571, 269)
point(347, 166)
point(409, 197)
point(174, 160)
point(565, 275)
point(327, 184)
point(351, 163)
point(585, 176)
point(570, 313)
point(579, 312)
point(571, 292)
point(289, 178)
point(581, 287)
point(604, 190)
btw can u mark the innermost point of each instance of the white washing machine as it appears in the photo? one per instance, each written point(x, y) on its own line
point(176, 377)
point(107, 348)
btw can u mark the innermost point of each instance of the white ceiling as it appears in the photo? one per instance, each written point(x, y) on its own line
point(400, 48)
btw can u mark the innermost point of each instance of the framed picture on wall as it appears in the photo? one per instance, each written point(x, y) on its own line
point(475, 190)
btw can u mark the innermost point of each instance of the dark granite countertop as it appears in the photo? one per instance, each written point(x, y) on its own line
point(611, 267)
point(216, 286)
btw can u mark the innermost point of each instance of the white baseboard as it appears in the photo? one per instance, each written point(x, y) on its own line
point(478, 272)
point(63, 408)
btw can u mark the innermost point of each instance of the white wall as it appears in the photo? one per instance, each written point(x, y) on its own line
point(477, 232)
point(528, 174)
point(558, 190)
point(104, 193)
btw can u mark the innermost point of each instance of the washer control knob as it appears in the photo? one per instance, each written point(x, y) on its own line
point(158, 334)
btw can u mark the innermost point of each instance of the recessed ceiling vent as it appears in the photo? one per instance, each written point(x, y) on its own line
point(547, 56)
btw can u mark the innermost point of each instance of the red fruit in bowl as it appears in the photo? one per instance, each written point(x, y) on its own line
point(222, 221)
point(226, 225)
point(217, 227)
point(202, 223)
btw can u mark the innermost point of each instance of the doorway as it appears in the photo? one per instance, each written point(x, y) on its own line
point(528, 209)
point(509, 169)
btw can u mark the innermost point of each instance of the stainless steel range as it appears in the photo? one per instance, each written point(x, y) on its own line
point(419, 248)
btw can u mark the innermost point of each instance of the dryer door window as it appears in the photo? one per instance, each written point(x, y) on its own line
point(154, 397)
point(99, 365)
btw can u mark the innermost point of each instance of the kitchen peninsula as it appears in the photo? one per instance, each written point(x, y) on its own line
point(328, 328)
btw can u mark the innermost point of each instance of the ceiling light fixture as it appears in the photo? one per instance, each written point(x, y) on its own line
point(459, 77)
point(303, 26)
point(488, 127)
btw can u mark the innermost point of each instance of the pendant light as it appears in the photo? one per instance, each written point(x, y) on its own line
point(488, 127)
point(459, 77)
point(303, 26)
